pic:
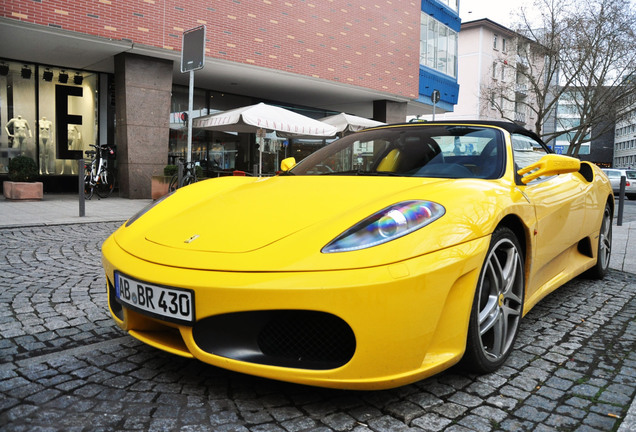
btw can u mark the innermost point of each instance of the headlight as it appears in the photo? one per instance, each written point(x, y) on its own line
point(145, 210)
point(388, 224)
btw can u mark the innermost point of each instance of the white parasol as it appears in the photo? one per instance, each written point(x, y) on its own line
point(347, 123)
point(260, 118)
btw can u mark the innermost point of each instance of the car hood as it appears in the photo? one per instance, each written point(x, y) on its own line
point(255, 215)
point(282, 223)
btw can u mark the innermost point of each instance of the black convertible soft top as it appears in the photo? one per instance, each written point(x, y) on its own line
point(505, 125)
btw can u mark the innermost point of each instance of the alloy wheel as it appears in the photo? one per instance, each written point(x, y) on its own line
point(500, 299)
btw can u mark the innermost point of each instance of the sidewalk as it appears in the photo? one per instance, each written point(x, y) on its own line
point(57, 209)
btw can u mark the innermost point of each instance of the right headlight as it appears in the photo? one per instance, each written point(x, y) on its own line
point(386, 225)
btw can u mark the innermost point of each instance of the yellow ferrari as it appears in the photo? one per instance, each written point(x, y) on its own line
point(379, 260)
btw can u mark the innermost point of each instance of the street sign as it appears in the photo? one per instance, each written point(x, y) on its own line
point(192, 58)
point(435, 96)
point(193, 49)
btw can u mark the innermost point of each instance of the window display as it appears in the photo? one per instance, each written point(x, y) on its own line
point(47, 152)
point(17, 112)
point(47, 116)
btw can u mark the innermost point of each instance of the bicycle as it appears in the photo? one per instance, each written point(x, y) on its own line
point(189, 176)
point(98, 176)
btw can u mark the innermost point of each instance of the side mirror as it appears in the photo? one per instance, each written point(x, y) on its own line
point(548, 165)
point(287, 164)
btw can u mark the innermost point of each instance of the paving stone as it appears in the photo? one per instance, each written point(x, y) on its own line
point(465, 399)
point(527, 412)
point(339, 421)
point(432, 422)
point(476, 423)
point(600, 422)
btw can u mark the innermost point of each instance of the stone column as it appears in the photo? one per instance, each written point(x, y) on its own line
point(143, 88)
point(389, 112)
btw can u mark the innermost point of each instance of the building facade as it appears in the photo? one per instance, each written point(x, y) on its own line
point(492, 66)
point(598, 147)
point(94, 72)
point(625, 133)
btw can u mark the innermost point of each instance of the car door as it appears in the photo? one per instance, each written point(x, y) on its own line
point(559, 204)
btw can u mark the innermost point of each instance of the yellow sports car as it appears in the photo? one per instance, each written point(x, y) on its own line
point(381, 259)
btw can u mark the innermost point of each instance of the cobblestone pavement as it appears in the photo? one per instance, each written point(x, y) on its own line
point(64, 365)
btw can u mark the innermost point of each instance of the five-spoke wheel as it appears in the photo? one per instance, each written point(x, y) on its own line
point(498, 304)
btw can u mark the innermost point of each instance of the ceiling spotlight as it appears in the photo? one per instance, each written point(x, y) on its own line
point(4, 69)
point(47, 75)
point(77, 79)
point(26, 72)
point(63, 77)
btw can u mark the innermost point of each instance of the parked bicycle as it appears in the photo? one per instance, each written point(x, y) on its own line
point(189, 176)
point(98, 176)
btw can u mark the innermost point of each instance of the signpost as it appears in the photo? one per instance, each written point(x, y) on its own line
point(192, 58)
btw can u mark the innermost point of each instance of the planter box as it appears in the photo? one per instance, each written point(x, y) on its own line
point(22, 190)
point(159, 186)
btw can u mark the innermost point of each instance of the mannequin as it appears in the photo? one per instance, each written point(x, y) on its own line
point(74, 143)
point(47, 154)
point(20, 128)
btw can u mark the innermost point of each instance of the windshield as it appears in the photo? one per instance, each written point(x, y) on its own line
point(412, 151)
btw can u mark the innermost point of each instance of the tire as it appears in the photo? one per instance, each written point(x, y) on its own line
point(604, 250)
point(188, 180)
point(497, 305)
point(88, 189)
point(173, 183)
point(105, 183)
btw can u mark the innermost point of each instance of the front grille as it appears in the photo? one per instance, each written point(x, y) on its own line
point(307, 335)
point(289, 338)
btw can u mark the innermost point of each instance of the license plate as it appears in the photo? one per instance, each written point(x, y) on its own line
point(167, 303)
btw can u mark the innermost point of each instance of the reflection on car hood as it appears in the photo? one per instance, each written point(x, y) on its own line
point(261, 213)
point(282, 223)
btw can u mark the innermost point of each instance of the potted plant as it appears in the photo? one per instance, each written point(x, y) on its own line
point(22, 184)
point(160, 183)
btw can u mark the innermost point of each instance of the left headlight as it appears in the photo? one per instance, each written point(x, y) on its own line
point(388, 224)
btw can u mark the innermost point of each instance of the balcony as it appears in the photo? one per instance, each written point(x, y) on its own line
point(521, 90)
point(522, 61)
point(520, 117)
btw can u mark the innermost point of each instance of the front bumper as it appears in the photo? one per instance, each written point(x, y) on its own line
point(369, 328)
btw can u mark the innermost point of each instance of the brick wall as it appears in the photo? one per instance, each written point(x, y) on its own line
point(367, 43)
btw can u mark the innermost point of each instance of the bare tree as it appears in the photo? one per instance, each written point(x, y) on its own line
point(572, 55)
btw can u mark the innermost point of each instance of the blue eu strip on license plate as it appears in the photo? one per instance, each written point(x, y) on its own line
point(167, 303)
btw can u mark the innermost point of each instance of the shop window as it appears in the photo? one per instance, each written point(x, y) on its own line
point(31, 125)
point(68, 99)
point(17, 112)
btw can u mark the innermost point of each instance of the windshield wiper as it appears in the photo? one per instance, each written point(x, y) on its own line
point(350, 172)
point(384, 174)
point(364, 173)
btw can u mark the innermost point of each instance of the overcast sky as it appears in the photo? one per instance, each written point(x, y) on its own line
point(495, 10)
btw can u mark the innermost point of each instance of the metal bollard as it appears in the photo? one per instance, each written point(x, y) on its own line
point(621, 201)
point(179, 173)
point(81, 171)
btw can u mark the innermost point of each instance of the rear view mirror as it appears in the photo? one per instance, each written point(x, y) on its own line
point(287, 164)
point(549, 165)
